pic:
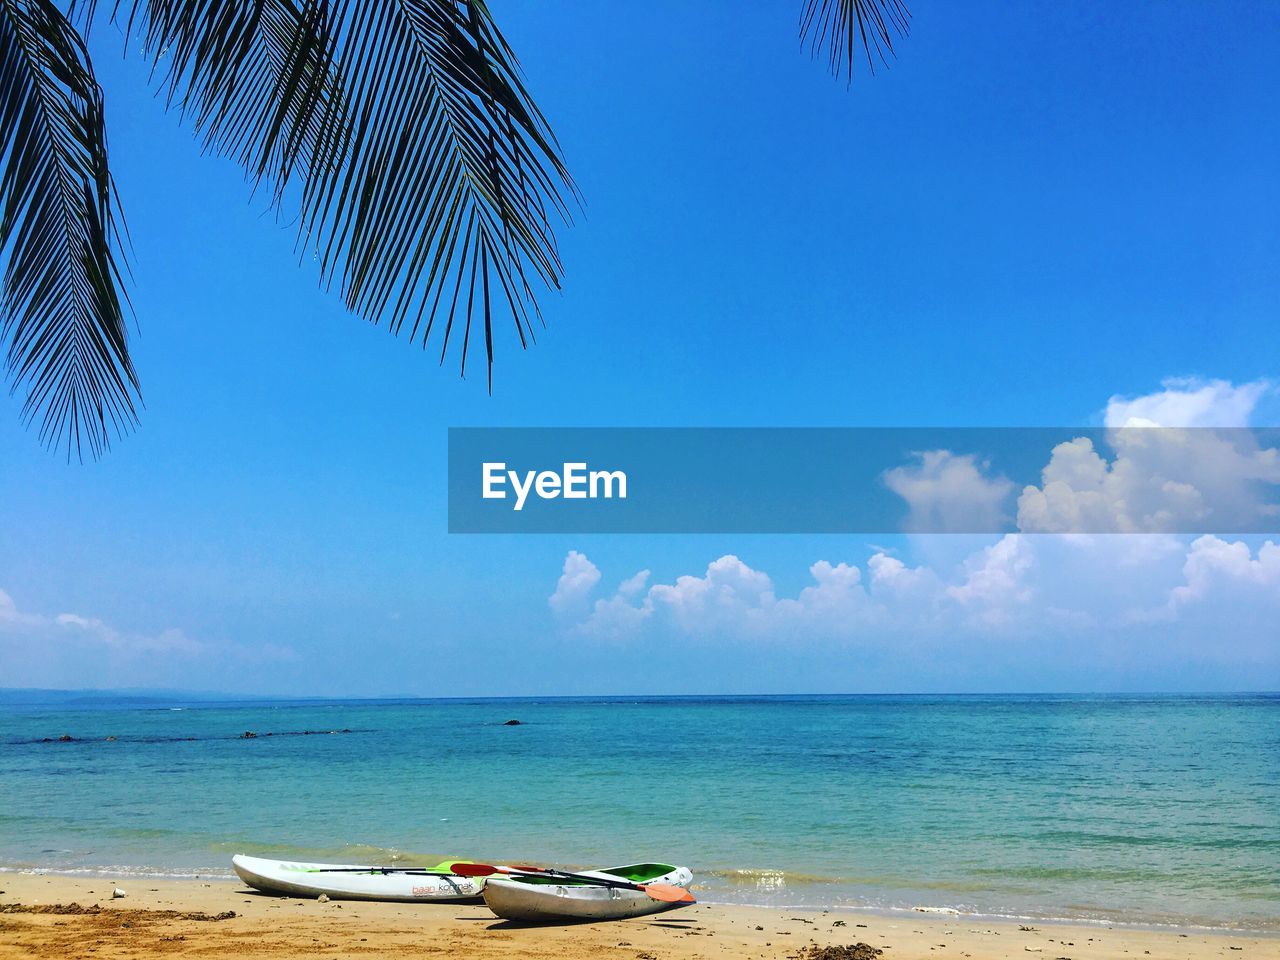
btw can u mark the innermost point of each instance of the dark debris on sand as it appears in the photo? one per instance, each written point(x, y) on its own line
point(74, 909)
point(849, 951)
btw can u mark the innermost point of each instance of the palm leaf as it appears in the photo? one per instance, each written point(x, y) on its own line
point(441, 214)
point(427, 178)
point(845, 30)
point(61, 292)
point(255, 77)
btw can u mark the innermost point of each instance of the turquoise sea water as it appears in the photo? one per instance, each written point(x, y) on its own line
point(1136, 809)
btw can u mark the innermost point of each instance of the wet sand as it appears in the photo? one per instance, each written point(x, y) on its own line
point(189, 918)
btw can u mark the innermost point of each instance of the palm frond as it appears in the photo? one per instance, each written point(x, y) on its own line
point(61, 295)
point(255, 77)
point(428, 178)
point(441, 214)
point(845, 30)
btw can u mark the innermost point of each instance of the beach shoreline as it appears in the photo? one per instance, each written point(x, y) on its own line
point(1083, 809)
point(177, 917)
point(180, 877)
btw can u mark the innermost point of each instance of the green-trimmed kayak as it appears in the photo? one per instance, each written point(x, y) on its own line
point(340, 881)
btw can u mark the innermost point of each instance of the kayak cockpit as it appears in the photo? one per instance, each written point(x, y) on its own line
point(631, 873)
point(641, 872)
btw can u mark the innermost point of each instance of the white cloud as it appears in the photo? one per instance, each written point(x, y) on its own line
point(167, 641)
point(577, 579)
point(634, 584)
point(838, 602)
point(1176, 478)
point(98, 652)
point(729, 595)
point(1215, 567)
point(11, 616)
point(1082, 590)
point(1158, 481)
point(732, 599)
point(995, 580)
point(616, 618)
point(890, 573)
point(1102, 605)
point(1189, 402)
point(950, 493)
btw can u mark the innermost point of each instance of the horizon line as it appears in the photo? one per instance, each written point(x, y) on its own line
point(214, 696)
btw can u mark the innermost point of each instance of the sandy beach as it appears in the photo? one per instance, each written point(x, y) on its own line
point(60, 916)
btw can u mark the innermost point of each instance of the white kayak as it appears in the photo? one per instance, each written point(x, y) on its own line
point(341, 881)
point(533, 898)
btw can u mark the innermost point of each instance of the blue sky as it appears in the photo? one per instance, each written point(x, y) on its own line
point(1039, 206)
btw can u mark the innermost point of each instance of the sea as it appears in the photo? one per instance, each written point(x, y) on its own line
point(1135, 809)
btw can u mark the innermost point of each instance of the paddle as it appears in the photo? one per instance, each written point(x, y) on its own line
point(666, 892)
point(416, 871)
point(438, 870)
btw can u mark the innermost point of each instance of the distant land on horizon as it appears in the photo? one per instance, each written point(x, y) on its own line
point(34, 696)
point(145, 696)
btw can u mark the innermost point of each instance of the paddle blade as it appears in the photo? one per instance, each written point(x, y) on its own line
point(474, 869)
point(668, 893)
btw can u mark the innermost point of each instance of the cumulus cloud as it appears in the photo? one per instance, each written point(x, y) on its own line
point(890, 574)
point(1161, 480)
point(1189, 402)
point(733, 599)
point(1020, 588)
point(577, 579)
point(995, 580)
point(1097, 603)
point(1215, 567)
point(634, 584)
point(837, 589)
point(729, 592)
point(1201, 470)
point(615, 618)
point(950, 493)
point(1157, 481)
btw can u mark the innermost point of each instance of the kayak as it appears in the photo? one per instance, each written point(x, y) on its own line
point(549, 898)
point(341, 881)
